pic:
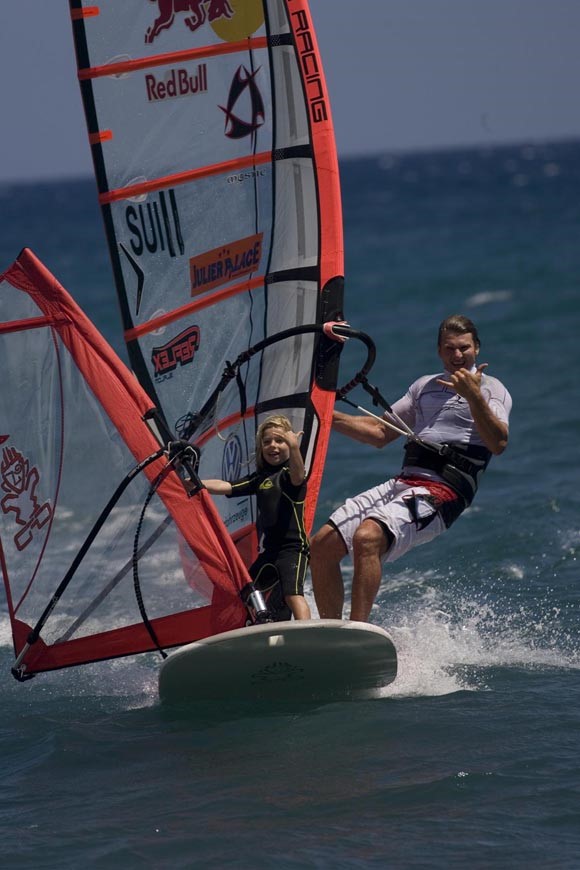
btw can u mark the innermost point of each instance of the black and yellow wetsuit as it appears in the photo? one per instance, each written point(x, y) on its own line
point(281, 566)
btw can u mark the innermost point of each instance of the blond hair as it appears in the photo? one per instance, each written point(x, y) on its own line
point(276, 421)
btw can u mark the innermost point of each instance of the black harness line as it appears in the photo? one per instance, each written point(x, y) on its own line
point(188, 456)
point(136, 581)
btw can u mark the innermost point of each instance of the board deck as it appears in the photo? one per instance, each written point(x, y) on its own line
point(318, 660)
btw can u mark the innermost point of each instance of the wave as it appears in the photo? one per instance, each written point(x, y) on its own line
point(488, 296)
point(447, 646)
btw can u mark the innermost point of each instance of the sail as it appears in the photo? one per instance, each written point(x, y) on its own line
point(73, 426)
point(212, 139)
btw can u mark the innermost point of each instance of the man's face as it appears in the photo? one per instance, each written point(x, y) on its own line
point(457, 351)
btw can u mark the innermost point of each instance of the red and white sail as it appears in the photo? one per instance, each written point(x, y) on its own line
point(217, 174)
point(73, 426)
point(211, 133)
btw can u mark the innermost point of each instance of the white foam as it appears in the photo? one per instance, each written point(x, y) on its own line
point(488, 296)
point(441, 652)
point(5, 630)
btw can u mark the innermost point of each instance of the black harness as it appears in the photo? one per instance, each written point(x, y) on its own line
point(459, 465)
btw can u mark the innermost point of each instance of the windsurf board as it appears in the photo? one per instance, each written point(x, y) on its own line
point(309, 660)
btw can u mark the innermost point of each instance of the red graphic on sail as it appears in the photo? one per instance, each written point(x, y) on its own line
point(19, 482)
point(201, 11)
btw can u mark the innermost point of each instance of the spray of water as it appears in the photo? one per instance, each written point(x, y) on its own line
point(449, 631)
point(448, 637)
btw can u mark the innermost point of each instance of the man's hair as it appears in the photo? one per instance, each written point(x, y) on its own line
point(276, 421)
point(458, 324)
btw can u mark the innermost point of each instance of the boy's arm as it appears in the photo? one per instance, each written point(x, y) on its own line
point(297, 472)
point(218, 487)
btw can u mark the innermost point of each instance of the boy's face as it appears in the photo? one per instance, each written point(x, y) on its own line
point(275, 450)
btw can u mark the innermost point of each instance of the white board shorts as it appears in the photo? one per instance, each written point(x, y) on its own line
point(407, 511)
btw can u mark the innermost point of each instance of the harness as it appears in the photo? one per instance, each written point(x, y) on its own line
point(459, 465)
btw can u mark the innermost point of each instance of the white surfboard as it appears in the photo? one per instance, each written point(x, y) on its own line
point(318, 660)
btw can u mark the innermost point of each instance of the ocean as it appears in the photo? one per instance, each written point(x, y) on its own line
point(471, 758)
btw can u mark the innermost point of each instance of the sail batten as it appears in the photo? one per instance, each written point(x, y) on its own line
point(190, 308)
point(145, 187)
point(128, 66)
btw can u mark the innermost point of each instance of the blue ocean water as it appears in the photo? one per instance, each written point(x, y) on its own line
point(472, 757)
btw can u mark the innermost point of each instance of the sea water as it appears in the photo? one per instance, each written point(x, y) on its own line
point(471, 758)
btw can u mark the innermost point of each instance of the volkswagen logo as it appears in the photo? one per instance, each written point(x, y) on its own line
point(232, 459)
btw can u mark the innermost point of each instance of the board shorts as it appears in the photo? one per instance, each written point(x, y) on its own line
point(277, 575)
point(412, 511)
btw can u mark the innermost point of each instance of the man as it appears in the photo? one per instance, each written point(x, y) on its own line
point(457, 420)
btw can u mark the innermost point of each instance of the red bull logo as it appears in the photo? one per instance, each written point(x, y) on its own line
point(179, 351)
point(176, 83)
point(19, 481)
point(230, 20)
point(197, 13)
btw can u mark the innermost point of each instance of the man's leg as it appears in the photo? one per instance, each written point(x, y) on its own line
point(370, 542)
point(326, 551)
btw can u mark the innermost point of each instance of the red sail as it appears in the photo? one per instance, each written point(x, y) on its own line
point(73, 425)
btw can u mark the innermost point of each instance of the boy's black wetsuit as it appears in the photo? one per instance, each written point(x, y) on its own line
point(280, 569)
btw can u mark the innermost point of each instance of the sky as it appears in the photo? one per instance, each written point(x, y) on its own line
point(402, 75)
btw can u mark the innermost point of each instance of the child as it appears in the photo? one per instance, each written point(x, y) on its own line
point(279, 486)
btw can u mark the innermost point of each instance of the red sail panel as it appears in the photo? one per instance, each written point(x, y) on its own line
point(72, 428)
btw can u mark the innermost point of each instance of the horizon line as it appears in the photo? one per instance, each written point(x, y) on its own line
point(373, 154)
